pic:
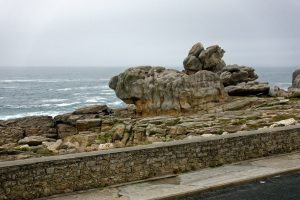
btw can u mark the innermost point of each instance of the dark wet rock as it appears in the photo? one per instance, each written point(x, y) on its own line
point(249, 88)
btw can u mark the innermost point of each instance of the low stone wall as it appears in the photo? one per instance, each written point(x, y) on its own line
point(33, 178)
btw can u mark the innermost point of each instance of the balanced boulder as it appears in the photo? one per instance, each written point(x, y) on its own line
point(204, 59)
point(156, 90)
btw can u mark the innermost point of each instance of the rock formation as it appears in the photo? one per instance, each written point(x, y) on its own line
point(204, 59)
point(156, 90)
point(198, 90)
point(249, 88)
point(234, 74)
point(294, 91)
point(296, 79)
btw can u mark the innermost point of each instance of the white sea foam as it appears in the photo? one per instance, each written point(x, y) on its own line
point(8, 87)
point(107, 93)
point(116, 104)
point(88, 87)
point(53, 100)
point(79, 88)
point(49, 113)
point(95, 100)
point(26, 106)
point(64, 89)
point(29, 80)
point(66, 104)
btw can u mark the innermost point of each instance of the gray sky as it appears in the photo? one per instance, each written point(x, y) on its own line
point(140, 32)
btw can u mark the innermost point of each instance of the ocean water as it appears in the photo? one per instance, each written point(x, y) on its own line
point(56, 90)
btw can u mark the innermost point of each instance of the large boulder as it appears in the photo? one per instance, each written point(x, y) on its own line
point(204, 59)
point(296, 79)
point(35, 140)
point(234, 74)
point(294, 91)
point(156, 90)
point(249, 88)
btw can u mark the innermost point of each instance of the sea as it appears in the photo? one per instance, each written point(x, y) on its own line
point(28, 91)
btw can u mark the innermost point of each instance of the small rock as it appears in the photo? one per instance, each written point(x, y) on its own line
point(35, 140)
point(65, 130)
point(88, 124)
point(225, 133)
point(106, 146)
point(286, 122)
point(53, 146)
point(24, 147)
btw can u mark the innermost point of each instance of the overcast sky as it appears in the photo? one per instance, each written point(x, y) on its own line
point(147, 32)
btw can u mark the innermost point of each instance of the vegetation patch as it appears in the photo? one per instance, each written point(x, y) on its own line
point(283, 117)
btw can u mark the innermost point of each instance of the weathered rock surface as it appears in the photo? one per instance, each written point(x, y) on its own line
point(67, 123)
point(65, 130)
point(204, 59)
point(35, 140)
point(10, 135)
point(234, 74)
point(296, 82)
point(286, 122)
point(249, 88)
point(275, 91)
point(88, 125)
point(156, 90)
point(296, 79)
point(239, 114)
point(96, 109)
point(294, 92)
point(35, 125)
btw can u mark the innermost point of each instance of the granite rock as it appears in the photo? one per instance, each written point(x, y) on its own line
point(156, 90)
point(35, 140)
point(204, 59)
point(295, 82)
point(34, 125)
point(249, 88)
point(234, 74)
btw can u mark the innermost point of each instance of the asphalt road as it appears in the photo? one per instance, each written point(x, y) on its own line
point(285, 187)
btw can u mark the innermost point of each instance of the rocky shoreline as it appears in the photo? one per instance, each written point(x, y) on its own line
point(207, 98)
